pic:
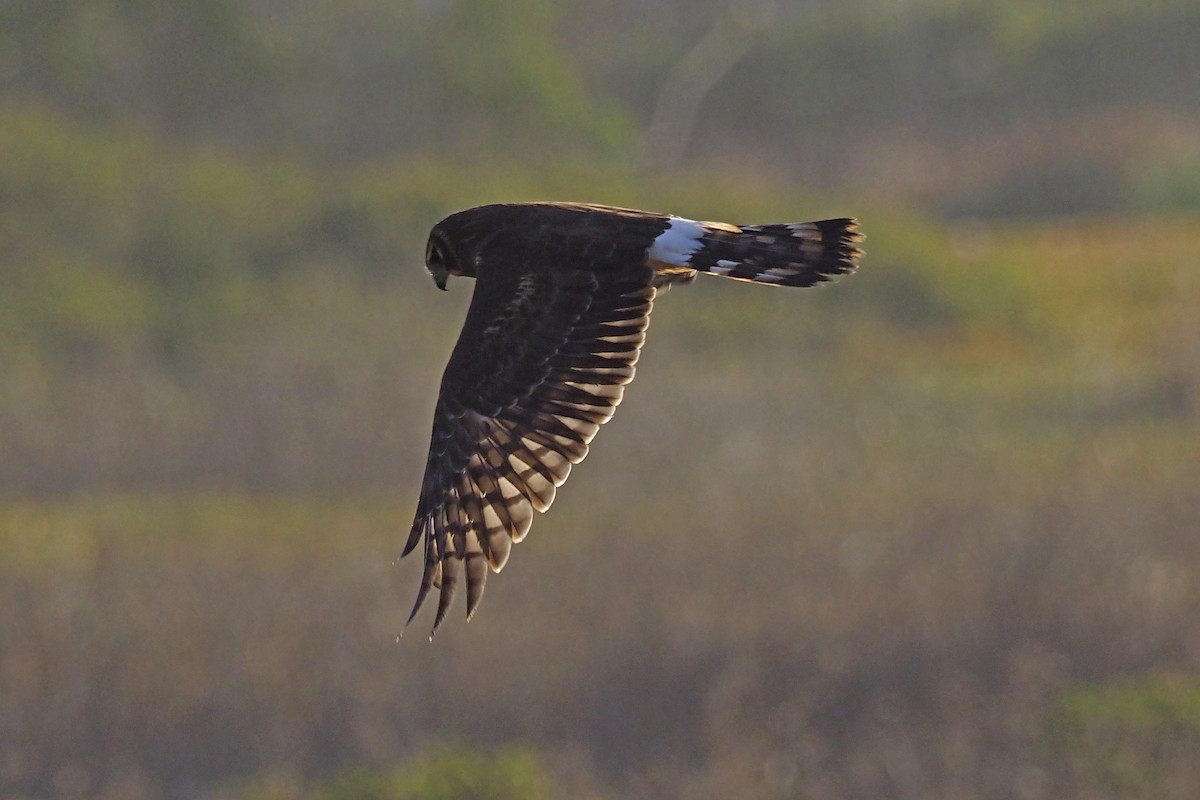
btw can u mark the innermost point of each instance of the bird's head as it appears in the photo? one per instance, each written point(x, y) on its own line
point(456, 242)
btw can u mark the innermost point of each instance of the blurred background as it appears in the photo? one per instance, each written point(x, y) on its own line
point(931, 532)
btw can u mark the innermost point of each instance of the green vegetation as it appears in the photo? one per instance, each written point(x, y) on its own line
point(449, 774)
point(1131, 738)
point(508, 775)
point(930, 532)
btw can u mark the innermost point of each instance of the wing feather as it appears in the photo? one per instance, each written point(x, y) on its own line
point(541, 363)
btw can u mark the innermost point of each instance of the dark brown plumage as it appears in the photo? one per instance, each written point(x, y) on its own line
point(561, 304)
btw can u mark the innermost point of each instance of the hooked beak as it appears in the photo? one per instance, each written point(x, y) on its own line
point(441, 283)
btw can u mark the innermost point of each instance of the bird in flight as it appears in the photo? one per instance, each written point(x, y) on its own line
point(562, 301)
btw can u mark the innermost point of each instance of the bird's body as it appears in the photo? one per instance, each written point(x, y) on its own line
point(558, 317)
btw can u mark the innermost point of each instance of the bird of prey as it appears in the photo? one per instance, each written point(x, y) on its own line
point(559, 313)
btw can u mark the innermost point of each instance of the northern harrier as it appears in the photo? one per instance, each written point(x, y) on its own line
point(562, 299)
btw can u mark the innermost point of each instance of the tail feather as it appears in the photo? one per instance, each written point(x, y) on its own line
point(797, 254)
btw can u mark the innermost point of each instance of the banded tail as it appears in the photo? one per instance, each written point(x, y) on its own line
point(796, 254)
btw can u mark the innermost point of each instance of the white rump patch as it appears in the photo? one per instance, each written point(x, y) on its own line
point(676, 244)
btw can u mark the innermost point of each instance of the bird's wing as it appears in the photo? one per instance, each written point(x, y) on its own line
point(542, 362)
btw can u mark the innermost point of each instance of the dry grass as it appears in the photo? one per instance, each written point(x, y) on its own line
point(820, 553)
